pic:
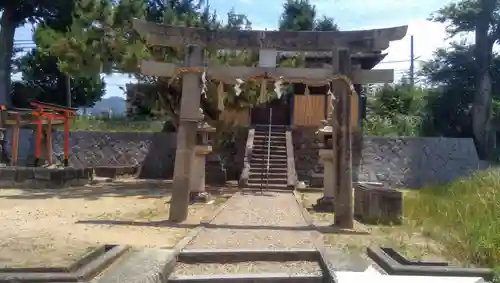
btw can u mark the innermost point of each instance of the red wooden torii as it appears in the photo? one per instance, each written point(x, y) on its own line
point(51, 112)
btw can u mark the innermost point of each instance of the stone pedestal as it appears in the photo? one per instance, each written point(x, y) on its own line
point(197, 190)
point(378, 205)
point(326, 157)
point(326, 203)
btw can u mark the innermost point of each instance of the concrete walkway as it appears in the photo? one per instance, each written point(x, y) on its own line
point(256, 221)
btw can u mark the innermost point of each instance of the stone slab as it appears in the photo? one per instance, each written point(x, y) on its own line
point(140, 266)
point(84, 260)
point(84, 273)
point(342, 260)
point(241, 255)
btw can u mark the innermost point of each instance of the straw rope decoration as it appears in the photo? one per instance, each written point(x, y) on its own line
point(277, 87)
point(237, 87)
point(278, 81)
point(183, 70)
point(204, 88)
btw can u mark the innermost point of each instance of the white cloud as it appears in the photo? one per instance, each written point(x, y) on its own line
point(115, 82)
point(428, 36)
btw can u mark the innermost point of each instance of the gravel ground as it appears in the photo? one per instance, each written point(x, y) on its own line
point(254, 267)
point(253, 221)
point(41, 228)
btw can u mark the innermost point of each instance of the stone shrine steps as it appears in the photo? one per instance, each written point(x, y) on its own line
point(272, 143)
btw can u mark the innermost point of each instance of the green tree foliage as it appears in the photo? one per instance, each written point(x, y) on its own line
point(162, 96)
point(443, 107)
point(325, 24)
point(452, 74)
point(99, 39)
point(397, 110)
point(80, 50)
point(14, 14)
point(42, 80)
point(301, 15)
point(483, 18)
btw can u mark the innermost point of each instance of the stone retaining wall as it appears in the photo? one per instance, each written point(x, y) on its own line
point(398, 162)
point(152, 153)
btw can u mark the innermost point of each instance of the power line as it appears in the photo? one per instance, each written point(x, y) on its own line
point(412, 62)
point(402, 61)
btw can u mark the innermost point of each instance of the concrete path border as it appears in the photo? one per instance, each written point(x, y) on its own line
point(164, 261)
point(238, 255)
point(391, 265)
point(86, 269)
point(154, 265)
point(250, 278)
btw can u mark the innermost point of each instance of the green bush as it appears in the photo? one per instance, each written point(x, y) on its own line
point(397, 126)
point(397, 110)
point(116, 124)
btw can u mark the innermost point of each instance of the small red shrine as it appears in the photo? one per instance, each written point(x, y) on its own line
point(44, 113)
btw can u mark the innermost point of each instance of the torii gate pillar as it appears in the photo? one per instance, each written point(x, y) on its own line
point(344, 213)
point(186, 136)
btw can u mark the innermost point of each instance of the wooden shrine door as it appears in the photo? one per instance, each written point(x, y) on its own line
point(280, 113)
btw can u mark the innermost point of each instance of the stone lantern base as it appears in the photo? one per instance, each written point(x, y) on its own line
point(199, 197)
point(324, 204)
point(327, 202)
point(197, 191)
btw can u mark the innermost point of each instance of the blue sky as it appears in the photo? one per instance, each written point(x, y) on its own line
point(349, 15)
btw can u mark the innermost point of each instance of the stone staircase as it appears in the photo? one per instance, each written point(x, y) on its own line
point(276, 178)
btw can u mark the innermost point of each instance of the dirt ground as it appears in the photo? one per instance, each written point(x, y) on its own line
point(407, 239)
point(41, 228)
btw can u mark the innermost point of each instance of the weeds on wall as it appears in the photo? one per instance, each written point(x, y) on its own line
point(116, 124)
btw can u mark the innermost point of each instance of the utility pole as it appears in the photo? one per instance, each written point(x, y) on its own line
point(412, 63)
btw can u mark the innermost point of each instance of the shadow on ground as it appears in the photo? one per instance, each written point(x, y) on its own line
point(166, 223)
point(141, 189)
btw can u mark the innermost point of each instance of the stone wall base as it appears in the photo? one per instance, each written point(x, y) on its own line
point(39, 177)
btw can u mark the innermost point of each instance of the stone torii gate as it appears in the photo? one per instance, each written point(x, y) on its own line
point(340, 76)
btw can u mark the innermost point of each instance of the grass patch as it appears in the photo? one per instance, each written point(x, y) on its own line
point(463, 215)
point(406, 238)
point(116, 124)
